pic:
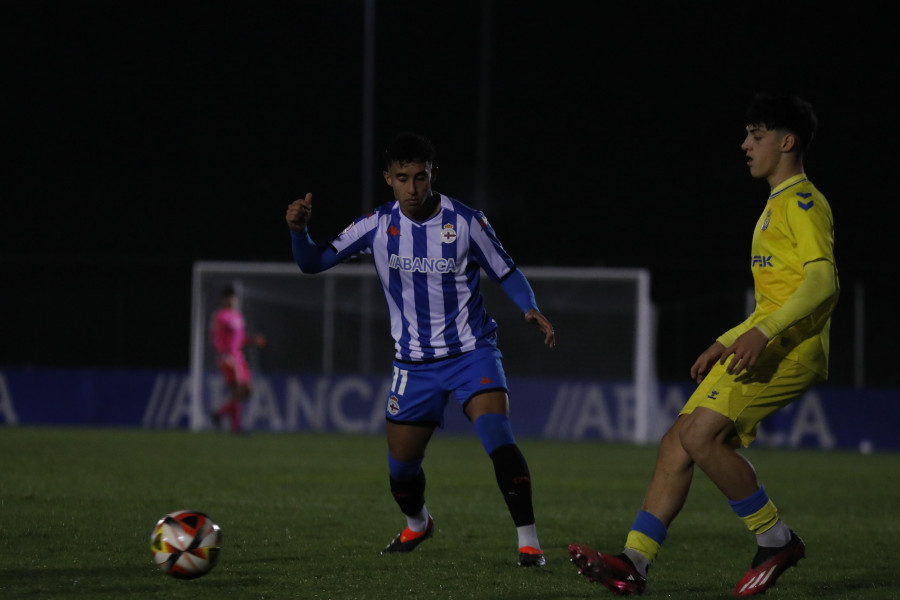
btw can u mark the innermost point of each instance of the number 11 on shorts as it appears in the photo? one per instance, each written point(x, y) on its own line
point(399, 377)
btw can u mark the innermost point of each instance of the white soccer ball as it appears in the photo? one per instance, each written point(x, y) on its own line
point(185, 544)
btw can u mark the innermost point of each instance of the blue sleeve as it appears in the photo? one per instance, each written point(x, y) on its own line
point(519, 290)
point(309, 256)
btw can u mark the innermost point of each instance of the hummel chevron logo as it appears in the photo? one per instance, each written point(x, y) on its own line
point(485, 380)
point(804, 205)
point(759, 580)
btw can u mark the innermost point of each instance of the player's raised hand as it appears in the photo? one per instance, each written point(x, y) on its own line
point(299, 213)
point(533, 316)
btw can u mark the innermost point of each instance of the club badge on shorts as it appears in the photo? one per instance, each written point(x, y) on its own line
point(393, 406)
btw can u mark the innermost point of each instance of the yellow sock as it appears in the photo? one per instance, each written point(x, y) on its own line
point(763, 519)
point(642, 544)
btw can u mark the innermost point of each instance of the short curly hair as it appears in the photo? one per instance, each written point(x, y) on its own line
point(785, 112)
point(408, 147)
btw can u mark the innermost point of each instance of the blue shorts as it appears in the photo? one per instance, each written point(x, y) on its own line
point(420, 391)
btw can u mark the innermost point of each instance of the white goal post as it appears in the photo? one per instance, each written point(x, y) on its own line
point(337, 322)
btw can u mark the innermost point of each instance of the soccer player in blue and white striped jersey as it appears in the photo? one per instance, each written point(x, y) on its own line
point(429, 251)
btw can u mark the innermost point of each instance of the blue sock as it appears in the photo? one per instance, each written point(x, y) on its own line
point(494, 430)
point(750, 504)
point(650, 526)
point(403, 471)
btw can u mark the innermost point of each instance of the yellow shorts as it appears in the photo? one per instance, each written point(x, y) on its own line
point(748, 398)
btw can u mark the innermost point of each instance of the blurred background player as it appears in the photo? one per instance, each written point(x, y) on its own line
point(751, 371)
point(229, 336)
point(429, 250)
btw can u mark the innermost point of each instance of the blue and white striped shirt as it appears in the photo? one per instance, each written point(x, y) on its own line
point(430, 273)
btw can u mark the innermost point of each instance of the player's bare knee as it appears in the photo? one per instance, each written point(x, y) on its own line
point(671, 442)
point(697, 441)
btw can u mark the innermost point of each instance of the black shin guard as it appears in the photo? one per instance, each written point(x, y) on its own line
point(410, 494)
point(514, 480)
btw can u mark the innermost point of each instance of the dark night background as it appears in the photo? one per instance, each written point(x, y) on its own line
point(140, 137)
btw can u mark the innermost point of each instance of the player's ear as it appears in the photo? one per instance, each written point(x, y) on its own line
point(387, 177)
point(788, 142)
point(434, 173)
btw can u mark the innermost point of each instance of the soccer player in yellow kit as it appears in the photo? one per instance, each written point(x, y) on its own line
point(752, 370)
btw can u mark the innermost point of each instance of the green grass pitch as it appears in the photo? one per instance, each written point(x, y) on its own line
point(305, 516)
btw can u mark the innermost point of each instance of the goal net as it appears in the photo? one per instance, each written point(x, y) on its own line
point(337, 323)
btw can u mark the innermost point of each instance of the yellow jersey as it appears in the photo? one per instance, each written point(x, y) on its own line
point(795, 228)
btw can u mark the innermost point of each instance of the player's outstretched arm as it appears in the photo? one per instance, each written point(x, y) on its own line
point(519, 291)
point(534, 316)
point(309, 256)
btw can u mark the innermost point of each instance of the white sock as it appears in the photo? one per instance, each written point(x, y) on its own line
point(639, 561)
point(419, 521)
point(528, 536)
point(776, 536)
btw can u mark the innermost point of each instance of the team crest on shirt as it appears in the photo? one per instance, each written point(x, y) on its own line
point(765, 224)
point(393, 406)
point(448, 234)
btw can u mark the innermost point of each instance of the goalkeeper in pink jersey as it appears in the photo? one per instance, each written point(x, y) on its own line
point(229, 336)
